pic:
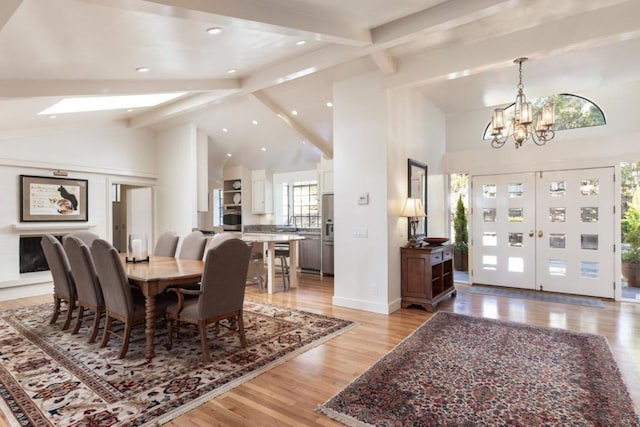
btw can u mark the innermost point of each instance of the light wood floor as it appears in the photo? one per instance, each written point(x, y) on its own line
point(288, 394)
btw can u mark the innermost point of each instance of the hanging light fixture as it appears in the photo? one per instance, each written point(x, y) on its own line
point(522, 126)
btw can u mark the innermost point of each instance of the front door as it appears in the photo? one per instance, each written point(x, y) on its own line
point(551, 231)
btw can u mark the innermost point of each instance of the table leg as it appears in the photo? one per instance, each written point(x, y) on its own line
point(293, 263)
point(150, 319)
point(271, 266)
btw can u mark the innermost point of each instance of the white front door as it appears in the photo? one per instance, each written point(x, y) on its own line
point(551, 231)
point(503, 221)
point(575, 228)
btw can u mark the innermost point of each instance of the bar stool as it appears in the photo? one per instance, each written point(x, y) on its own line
point(256, 267)
point(282, 253)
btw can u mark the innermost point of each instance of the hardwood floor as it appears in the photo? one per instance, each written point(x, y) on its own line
point(288, 394)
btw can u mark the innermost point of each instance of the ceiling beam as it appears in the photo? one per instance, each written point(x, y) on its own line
point(296, 126)
point(548, 39)
point(294, 21)
point(33, 88)
point(385, 62)
point(7, 9)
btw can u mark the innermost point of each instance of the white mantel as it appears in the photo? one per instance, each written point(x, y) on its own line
point(38, 228)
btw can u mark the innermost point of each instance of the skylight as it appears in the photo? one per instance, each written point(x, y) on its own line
point(104, 103)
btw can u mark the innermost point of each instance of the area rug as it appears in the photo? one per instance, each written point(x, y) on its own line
point(458, 370)
point(536, 295)
point(49, 377)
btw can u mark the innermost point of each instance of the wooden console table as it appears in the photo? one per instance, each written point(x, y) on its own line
point(427, 276)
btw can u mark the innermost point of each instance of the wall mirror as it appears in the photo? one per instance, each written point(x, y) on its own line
point(417, 188)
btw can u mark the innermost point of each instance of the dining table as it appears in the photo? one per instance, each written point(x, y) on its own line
point(153, 278)
point(269, 242)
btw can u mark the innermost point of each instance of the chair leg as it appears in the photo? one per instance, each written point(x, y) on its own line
point(243, 338)
point(285, 274)
point(56, 310)
point(71, 305)
point(202, 328)
point(78, 320)
point(107, 331)
point(96, 325)
point(127, 336)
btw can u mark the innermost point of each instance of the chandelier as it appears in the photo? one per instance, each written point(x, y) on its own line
point(521, 125)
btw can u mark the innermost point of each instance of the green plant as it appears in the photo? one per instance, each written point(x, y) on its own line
point(631, 229)
point(461, 235)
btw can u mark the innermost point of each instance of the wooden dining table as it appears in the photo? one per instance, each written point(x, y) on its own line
point(153, 278)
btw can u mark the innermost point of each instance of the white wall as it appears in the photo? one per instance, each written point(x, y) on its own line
point(99, 156)
point(176, 198)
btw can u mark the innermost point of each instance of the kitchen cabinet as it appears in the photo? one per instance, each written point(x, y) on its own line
point(427, 276)
point(261, 192)
point(310, 252)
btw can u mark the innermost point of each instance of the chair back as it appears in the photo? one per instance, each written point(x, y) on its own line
point(86, 237)
point(215, 241)
point(83, 271)
point(193, 246)
point(224, 278)
point(166, 244)
point(113, 278)
point(63, 283)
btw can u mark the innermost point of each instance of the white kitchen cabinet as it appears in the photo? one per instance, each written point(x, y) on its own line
point(326, 176)
point(261, 192)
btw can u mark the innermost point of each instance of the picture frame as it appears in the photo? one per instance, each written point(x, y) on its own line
point(46, 199)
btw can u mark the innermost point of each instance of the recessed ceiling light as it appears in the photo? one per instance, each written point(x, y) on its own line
point(130, 110)
point(225, 130)
point(142, 69)
point(294, 112)
point(304, 142)
point(52, 116)
point(255, 122)
point(228, 154)
point(301, 42)
point(104, 103)
point(329, 104)
point(214, 30)
point(231, 71)
point(263, 149)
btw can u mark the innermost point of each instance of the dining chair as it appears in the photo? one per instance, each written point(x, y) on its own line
point(166, 244)
point(85, 277)
point(120, 303)
point(220, 297)
point(64, 288)
point(215, 241)
point(87, 237)
point(193, 246)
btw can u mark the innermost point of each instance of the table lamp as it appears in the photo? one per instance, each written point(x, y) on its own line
point(413, 210)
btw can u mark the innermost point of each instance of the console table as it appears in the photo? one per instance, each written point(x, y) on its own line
point(427, 276)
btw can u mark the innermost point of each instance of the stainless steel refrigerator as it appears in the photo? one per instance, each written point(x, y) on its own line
point(327, 234)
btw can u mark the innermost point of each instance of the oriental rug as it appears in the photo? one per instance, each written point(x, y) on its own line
point(49, 377)
point(458, 370)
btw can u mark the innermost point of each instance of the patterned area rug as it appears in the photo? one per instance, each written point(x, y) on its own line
point(49, 377)
point(536, 295)
point(458, 370)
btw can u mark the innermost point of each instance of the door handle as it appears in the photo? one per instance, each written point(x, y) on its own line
point(530, 233)
point(539, 233)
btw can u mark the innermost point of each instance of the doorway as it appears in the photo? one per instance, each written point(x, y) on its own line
point(550, 231)
point(131, 207)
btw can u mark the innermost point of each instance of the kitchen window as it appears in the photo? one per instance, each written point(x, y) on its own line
point(300, 204)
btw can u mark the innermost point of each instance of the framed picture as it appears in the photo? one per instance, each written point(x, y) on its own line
point(53, 199)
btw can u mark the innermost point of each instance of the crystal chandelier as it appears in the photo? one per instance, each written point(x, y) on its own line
point(521, 125)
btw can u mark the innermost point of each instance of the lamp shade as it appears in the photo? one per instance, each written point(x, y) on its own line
point(413, 208)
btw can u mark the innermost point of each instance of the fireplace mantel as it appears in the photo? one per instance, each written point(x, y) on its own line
point(50, 227)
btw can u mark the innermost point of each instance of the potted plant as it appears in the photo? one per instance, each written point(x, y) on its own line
point(631, 235)
point(461, 237)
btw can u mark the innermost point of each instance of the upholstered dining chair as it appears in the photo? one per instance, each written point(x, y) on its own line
point(166, 244)
point(220, 297)
point(120, 303)
point(85, 277)
point(64, 288)
point(87, 237)
point(193, 246)
point(215, 241)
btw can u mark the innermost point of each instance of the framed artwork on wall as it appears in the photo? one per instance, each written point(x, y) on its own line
point(53, 199)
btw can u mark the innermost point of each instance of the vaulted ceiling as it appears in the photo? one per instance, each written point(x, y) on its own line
point(459, 53)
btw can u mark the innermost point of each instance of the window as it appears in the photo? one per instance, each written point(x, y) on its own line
point(217, 207)
point(572, 112)
point(300, 204)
